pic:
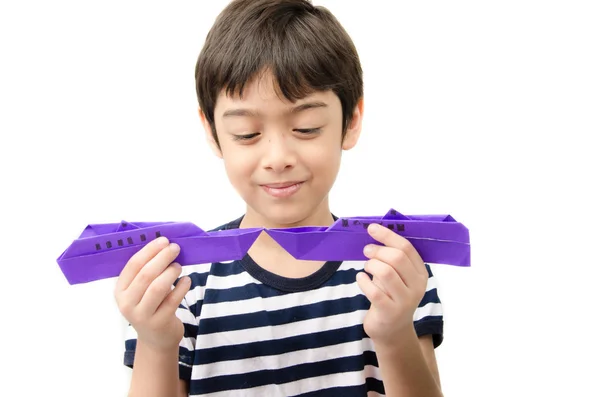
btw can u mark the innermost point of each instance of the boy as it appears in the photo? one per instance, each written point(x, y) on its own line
point(280, 90)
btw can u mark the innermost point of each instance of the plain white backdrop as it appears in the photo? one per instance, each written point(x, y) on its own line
point(488, 111)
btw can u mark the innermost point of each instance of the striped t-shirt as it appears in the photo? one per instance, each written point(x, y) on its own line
point(249, 332)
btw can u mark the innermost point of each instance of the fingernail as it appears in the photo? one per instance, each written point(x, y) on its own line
point(162, 240)
point(373, 227)
point(368, 249)
point(174, 247)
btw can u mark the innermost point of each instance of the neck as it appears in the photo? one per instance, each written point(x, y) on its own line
point(270, 255)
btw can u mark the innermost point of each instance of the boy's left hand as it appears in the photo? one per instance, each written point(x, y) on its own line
point(398, 286)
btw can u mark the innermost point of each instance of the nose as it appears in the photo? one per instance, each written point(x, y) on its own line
point(279, 154)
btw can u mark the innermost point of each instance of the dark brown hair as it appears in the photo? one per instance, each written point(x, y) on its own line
point(305, 47)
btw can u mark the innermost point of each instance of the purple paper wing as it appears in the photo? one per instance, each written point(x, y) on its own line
point(102, 240)
point(218, 246)
point(104, 256)
point(86, 268)
point(338, 246)
point(141, 225)
point(297, 241)
point(433, 218)
point(101, 251)
point(393, 214)
point(99, 229)
point(437, 238)
point(124, 226)
point(434, 228)
point(443, 252)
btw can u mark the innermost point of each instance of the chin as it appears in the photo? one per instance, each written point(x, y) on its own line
point(286, 215)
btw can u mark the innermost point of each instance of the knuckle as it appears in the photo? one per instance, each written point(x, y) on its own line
point(377, 295)
point(387, 272)
point(157, 288)
point(136, 258)
point(399, 256)
point(170, 299)
point(145, 277)
point(172, 273)
point(175, 268)
point(384, 271)
point(126, 308)
point(132, 260)
point(136, 318)
point(119, 300)
point(424, 280)
point(402, 245)
point(370, 266)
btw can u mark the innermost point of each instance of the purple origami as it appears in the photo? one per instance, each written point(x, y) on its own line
point(103, 250)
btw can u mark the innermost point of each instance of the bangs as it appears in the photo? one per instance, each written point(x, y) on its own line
point(287, 53)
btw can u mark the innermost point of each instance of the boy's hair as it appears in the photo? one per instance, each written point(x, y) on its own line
point(305, 47)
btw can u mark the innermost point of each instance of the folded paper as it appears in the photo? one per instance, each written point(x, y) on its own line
point(102, 250)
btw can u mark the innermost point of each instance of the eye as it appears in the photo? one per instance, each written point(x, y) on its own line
point(245, 137)
point(308, 130)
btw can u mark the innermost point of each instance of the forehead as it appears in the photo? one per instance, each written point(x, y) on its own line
point(261, 95)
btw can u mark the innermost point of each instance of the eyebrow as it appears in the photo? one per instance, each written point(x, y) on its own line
point(296, 109)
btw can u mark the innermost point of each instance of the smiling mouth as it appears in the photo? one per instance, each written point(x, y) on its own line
point(281, 185)
point(281, 190)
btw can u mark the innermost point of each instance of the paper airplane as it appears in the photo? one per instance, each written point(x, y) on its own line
point(103, 250)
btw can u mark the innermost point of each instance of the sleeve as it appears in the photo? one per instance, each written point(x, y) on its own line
point(187, 344)
point(428, 318)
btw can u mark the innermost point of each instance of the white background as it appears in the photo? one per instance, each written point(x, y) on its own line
point(488, 111)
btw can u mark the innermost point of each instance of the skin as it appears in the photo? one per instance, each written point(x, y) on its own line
point(262, 141)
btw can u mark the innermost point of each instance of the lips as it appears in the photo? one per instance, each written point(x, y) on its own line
point(282, 189)
point(281, 185)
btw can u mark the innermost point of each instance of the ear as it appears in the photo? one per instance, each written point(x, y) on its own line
point(354, 128)
point(209, 134)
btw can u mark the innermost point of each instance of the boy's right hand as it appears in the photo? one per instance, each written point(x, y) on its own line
point(145, 296)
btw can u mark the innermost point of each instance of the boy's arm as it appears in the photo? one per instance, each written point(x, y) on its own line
point(426, 342)
point(147, 299)
point(409, 367)
point(399, 291)
point(156, 373)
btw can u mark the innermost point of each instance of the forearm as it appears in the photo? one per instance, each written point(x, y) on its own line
point(155, 373)
point(404, 369)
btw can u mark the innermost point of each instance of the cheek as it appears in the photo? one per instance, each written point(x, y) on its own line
point(324, 160)
point(238, 165)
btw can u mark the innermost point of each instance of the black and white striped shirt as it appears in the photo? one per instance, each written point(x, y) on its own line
point(249, 332)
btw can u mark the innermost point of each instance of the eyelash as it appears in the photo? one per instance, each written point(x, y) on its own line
point(245, 137)
point(305, 131)
point(309, 130)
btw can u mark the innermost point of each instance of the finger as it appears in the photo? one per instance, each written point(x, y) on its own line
point(387, 278)
point(374, 294)
point(391, 239)
point(378, 283)
point(172, 301)
point(138, 260)
point(158, 290)
point(150, 272)
point(397, 259)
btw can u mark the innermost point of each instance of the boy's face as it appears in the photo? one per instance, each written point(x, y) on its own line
point(282, 157)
